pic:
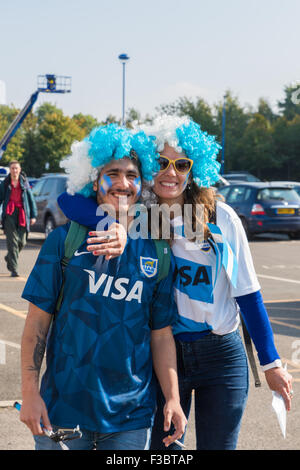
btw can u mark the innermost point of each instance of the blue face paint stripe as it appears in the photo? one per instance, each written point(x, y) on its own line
point(138, 185)
point(104, 184)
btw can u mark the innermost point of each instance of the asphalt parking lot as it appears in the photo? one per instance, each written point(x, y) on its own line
point(277, 263)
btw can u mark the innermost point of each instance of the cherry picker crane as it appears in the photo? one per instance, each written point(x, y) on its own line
point(48, 83)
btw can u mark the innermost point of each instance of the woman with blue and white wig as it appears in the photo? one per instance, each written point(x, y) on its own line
point(215, 282)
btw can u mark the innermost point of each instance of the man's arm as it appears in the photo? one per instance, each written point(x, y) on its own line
point(165, 366)
point(33, 345)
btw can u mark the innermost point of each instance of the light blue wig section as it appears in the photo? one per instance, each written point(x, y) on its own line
point(185, 135)
point(203, 149)
point(112, 142)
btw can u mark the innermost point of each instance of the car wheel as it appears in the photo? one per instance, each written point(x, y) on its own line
point(246, 228)
point(49, 225)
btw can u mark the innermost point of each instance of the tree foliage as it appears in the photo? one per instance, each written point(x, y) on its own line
point(260, 140)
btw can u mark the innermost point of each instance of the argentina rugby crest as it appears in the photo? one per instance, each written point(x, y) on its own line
point(148, 266)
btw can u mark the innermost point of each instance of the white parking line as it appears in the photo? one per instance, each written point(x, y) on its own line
point(8, 403)
point(18, 313)
point(278, 278)
point(9, 343)
point(3, 344)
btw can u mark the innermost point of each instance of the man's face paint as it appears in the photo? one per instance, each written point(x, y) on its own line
point(105, 183)
point(138, 185)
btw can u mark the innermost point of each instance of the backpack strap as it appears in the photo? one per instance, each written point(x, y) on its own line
point(164, 258)
point(250, 354)
point(75, 237)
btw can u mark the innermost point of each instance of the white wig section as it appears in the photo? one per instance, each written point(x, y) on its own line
point(78, 167)
point(163, 129)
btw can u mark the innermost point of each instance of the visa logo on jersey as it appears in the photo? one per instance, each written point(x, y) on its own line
point(115, 288)
point(194, 280)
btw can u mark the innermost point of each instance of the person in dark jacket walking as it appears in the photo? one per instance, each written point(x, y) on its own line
point(19, 212)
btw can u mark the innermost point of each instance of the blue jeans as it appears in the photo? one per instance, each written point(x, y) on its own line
point(215, 368)
point(137, 439)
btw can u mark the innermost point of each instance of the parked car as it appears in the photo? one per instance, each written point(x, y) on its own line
point(32, 181)
point(221, 182)
point(291, 184)
point(237, 176)
point(46, 191)
point(4, 171)
point(265, 207)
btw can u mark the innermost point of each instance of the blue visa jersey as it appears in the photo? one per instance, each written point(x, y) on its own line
point(99, 364)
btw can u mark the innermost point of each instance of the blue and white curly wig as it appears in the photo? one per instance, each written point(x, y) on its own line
point(102, 145)
point(185, 135)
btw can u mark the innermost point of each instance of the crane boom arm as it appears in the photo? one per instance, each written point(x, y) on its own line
point(14, 126)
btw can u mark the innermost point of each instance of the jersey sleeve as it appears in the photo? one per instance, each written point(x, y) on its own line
point(163, 308)
point(43, 285)
point(234, 232)
point(258, 324)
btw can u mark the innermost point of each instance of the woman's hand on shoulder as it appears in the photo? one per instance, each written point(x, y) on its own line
point(110, 243)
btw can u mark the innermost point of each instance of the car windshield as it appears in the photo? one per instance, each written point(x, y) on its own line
point(278, 194)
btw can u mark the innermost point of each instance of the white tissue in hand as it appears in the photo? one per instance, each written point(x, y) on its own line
point(278, 406)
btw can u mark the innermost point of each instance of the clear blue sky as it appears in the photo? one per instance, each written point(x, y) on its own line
point(189, 48)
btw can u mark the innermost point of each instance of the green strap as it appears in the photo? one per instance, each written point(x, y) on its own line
point(75, 237)
point(164, 258)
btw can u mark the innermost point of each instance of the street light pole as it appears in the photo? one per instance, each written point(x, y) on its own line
point(123, 59)
point(223, 136)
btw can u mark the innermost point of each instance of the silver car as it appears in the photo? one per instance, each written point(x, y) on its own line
point(46, 191)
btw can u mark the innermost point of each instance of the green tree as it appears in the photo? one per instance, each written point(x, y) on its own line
point(110, 120)
point(293, 143)
point(237, 119)
point(55, 135)
point(31, 157)
point(257, 154)
point(86, 122)
point(132, 115)
point(14, 149)
point(264, 109)
point(290, 106)
point(45, 109)
point(198, 110)
point(287, 147)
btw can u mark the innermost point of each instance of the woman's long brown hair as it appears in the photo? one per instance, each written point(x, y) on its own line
point(207, 197)
point(195, 195)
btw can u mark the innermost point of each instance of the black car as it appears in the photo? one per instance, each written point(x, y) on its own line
point(46, 191)
point(265, 207)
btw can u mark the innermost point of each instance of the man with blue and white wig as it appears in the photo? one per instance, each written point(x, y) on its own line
point(113, 324)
